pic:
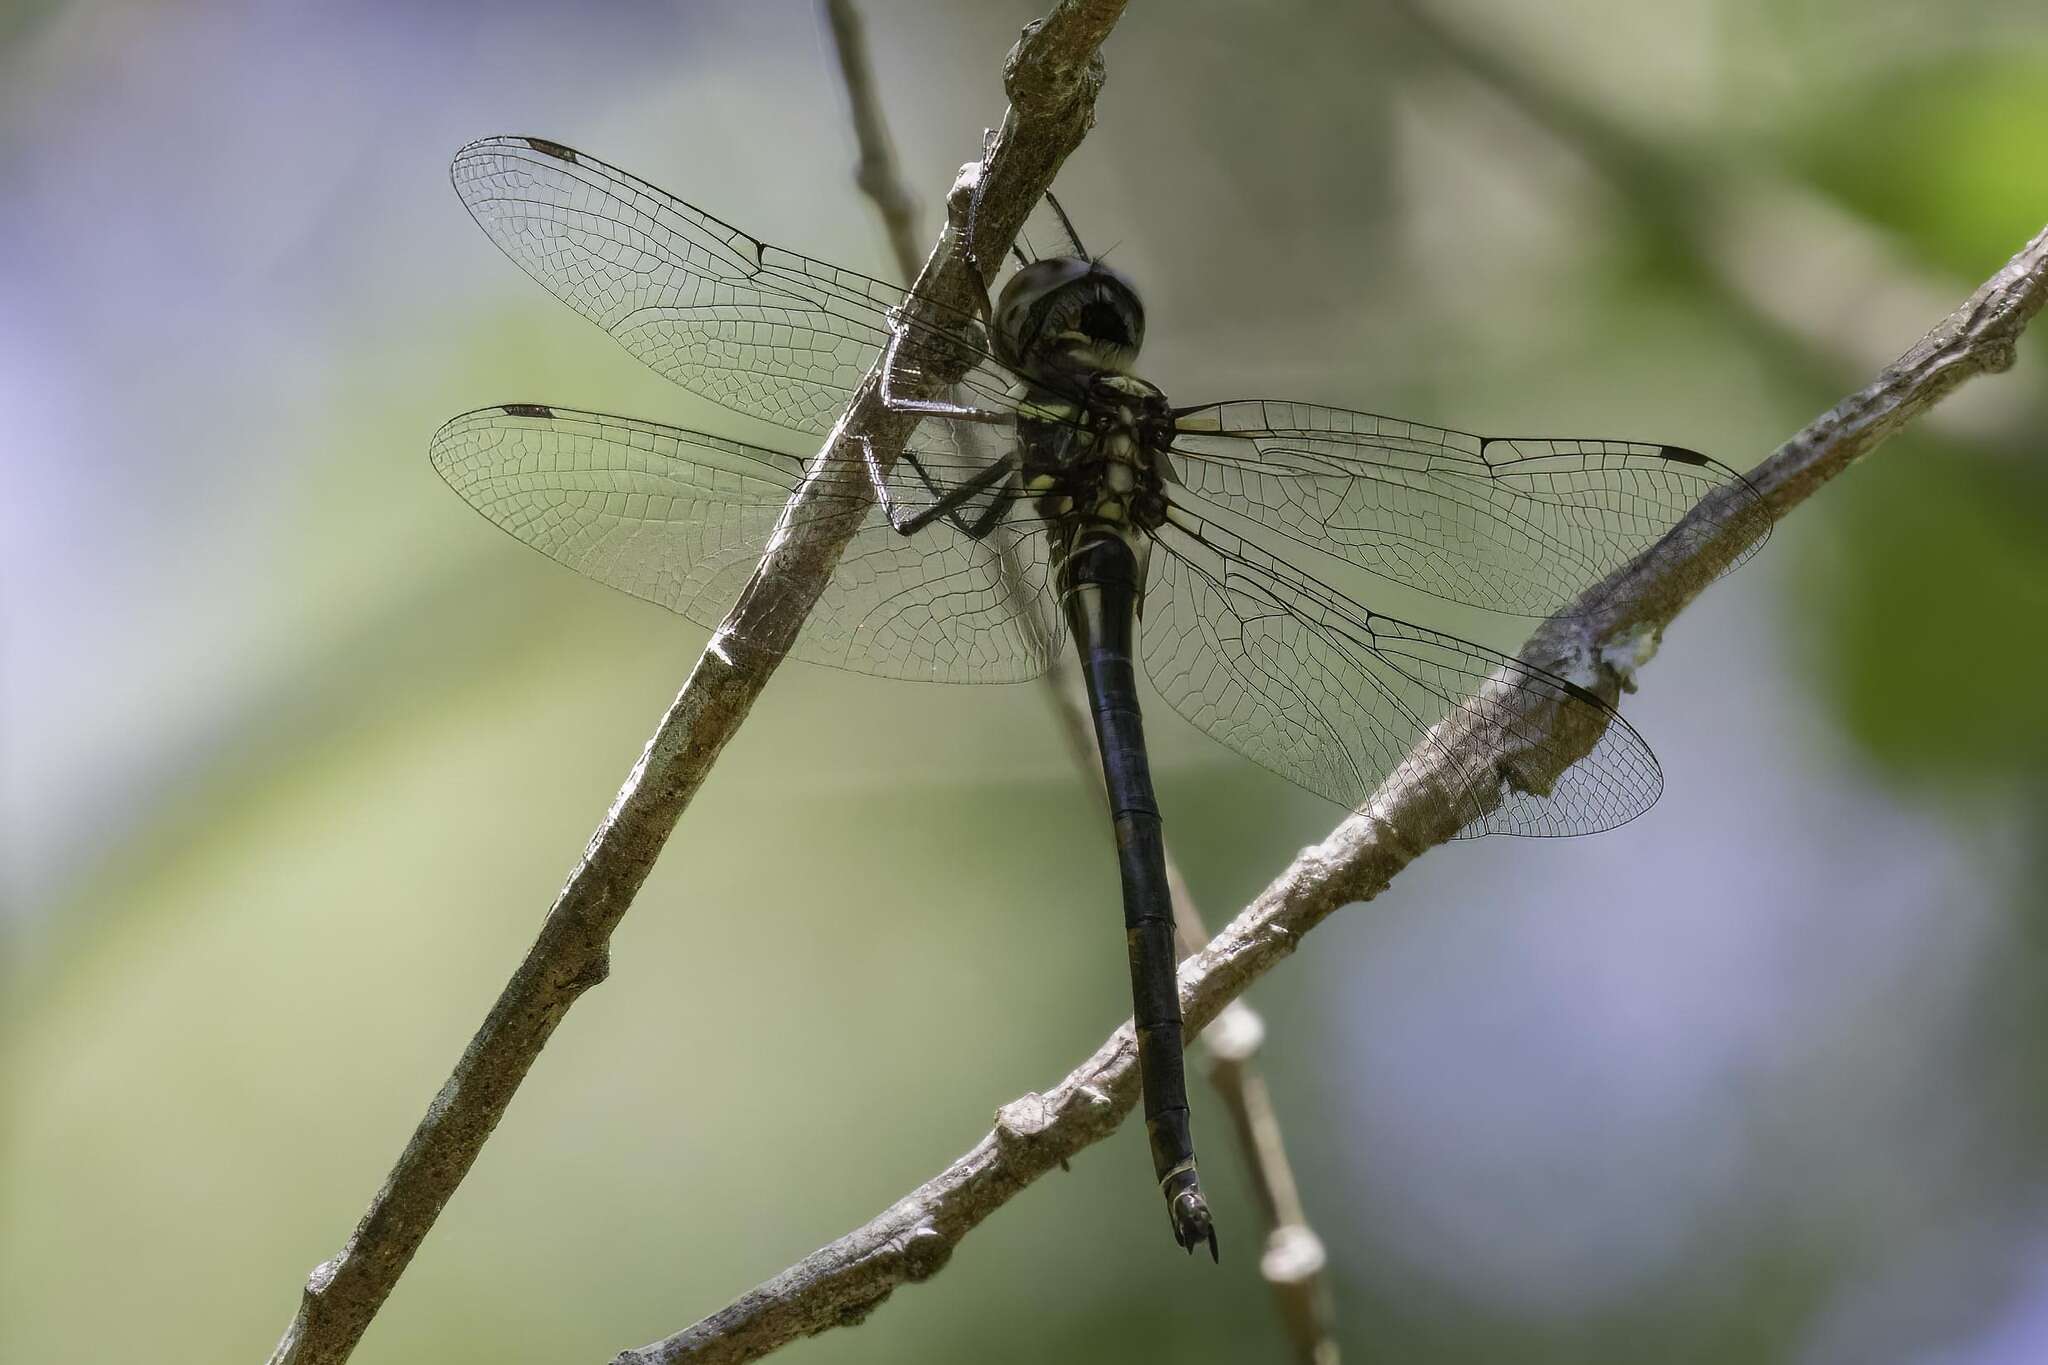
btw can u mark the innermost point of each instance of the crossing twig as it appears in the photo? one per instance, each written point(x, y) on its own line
point(1051, 76)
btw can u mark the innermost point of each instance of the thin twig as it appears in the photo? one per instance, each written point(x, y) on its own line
point(1294, 1257)
point(1052, 76)
point(1599, 642)
point(875, 172)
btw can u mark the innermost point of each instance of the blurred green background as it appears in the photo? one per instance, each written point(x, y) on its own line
point(297, 749)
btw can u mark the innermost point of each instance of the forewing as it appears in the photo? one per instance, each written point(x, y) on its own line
point(759, 329)
point(1336, 697)
point(1512, 524)
point(681, 518)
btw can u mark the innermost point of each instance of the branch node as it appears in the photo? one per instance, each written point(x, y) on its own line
point(960, 197)
point(593, 973)
point(1293, 1255)
point(324, 1273)
point(1236, 1034)
point(1022, 1120)
point(1041, 74)
point(925, 1251)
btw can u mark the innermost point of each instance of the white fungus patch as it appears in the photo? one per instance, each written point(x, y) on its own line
point(1580, 672)
point(1631, 652)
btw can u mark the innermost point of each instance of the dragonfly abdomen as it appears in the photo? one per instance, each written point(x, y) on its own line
point(1100, 579)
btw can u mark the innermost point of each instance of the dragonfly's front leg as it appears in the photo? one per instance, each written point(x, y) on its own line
point(946, 503)
point(896, 401)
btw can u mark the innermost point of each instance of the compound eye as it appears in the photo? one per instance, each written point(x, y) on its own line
point(1010, 324)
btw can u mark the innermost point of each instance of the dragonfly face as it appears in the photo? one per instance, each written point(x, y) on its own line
point(971, 565)
point(1067, 315)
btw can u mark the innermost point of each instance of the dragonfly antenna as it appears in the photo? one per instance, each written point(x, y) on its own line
point(1068, 224)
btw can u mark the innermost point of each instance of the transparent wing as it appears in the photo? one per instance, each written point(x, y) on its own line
point(1303, 680)
point(761, 330)
point(681, 518)
point(1513, 524)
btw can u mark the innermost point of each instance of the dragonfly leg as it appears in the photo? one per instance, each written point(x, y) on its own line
point(947, 502)
point(998, 508)
point(931, 407)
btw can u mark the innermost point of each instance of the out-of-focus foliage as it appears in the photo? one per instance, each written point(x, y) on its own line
point(1925, 591)
point(1933, 669)
point(1949, 151)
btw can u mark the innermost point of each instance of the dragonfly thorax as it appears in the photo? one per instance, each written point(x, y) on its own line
point(1100, 458)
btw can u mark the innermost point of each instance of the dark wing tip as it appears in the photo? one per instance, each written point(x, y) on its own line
point(499, 143)
point(548, 147)
point(1680, 455)
point(450, 435)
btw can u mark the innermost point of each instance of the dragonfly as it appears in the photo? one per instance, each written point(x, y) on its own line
point(1048, 491)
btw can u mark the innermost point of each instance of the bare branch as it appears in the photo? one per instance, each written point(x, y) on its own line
point(875, 172)
point(1294, 1258)
point(1052, 76)
point(843, 1282)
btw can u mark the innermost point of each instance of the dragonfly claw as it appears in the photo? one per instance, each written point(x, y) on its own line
point(1192, 1224)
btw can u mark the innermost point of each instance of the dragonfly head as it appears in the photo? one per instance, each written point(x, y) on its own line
point(1067, 313)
